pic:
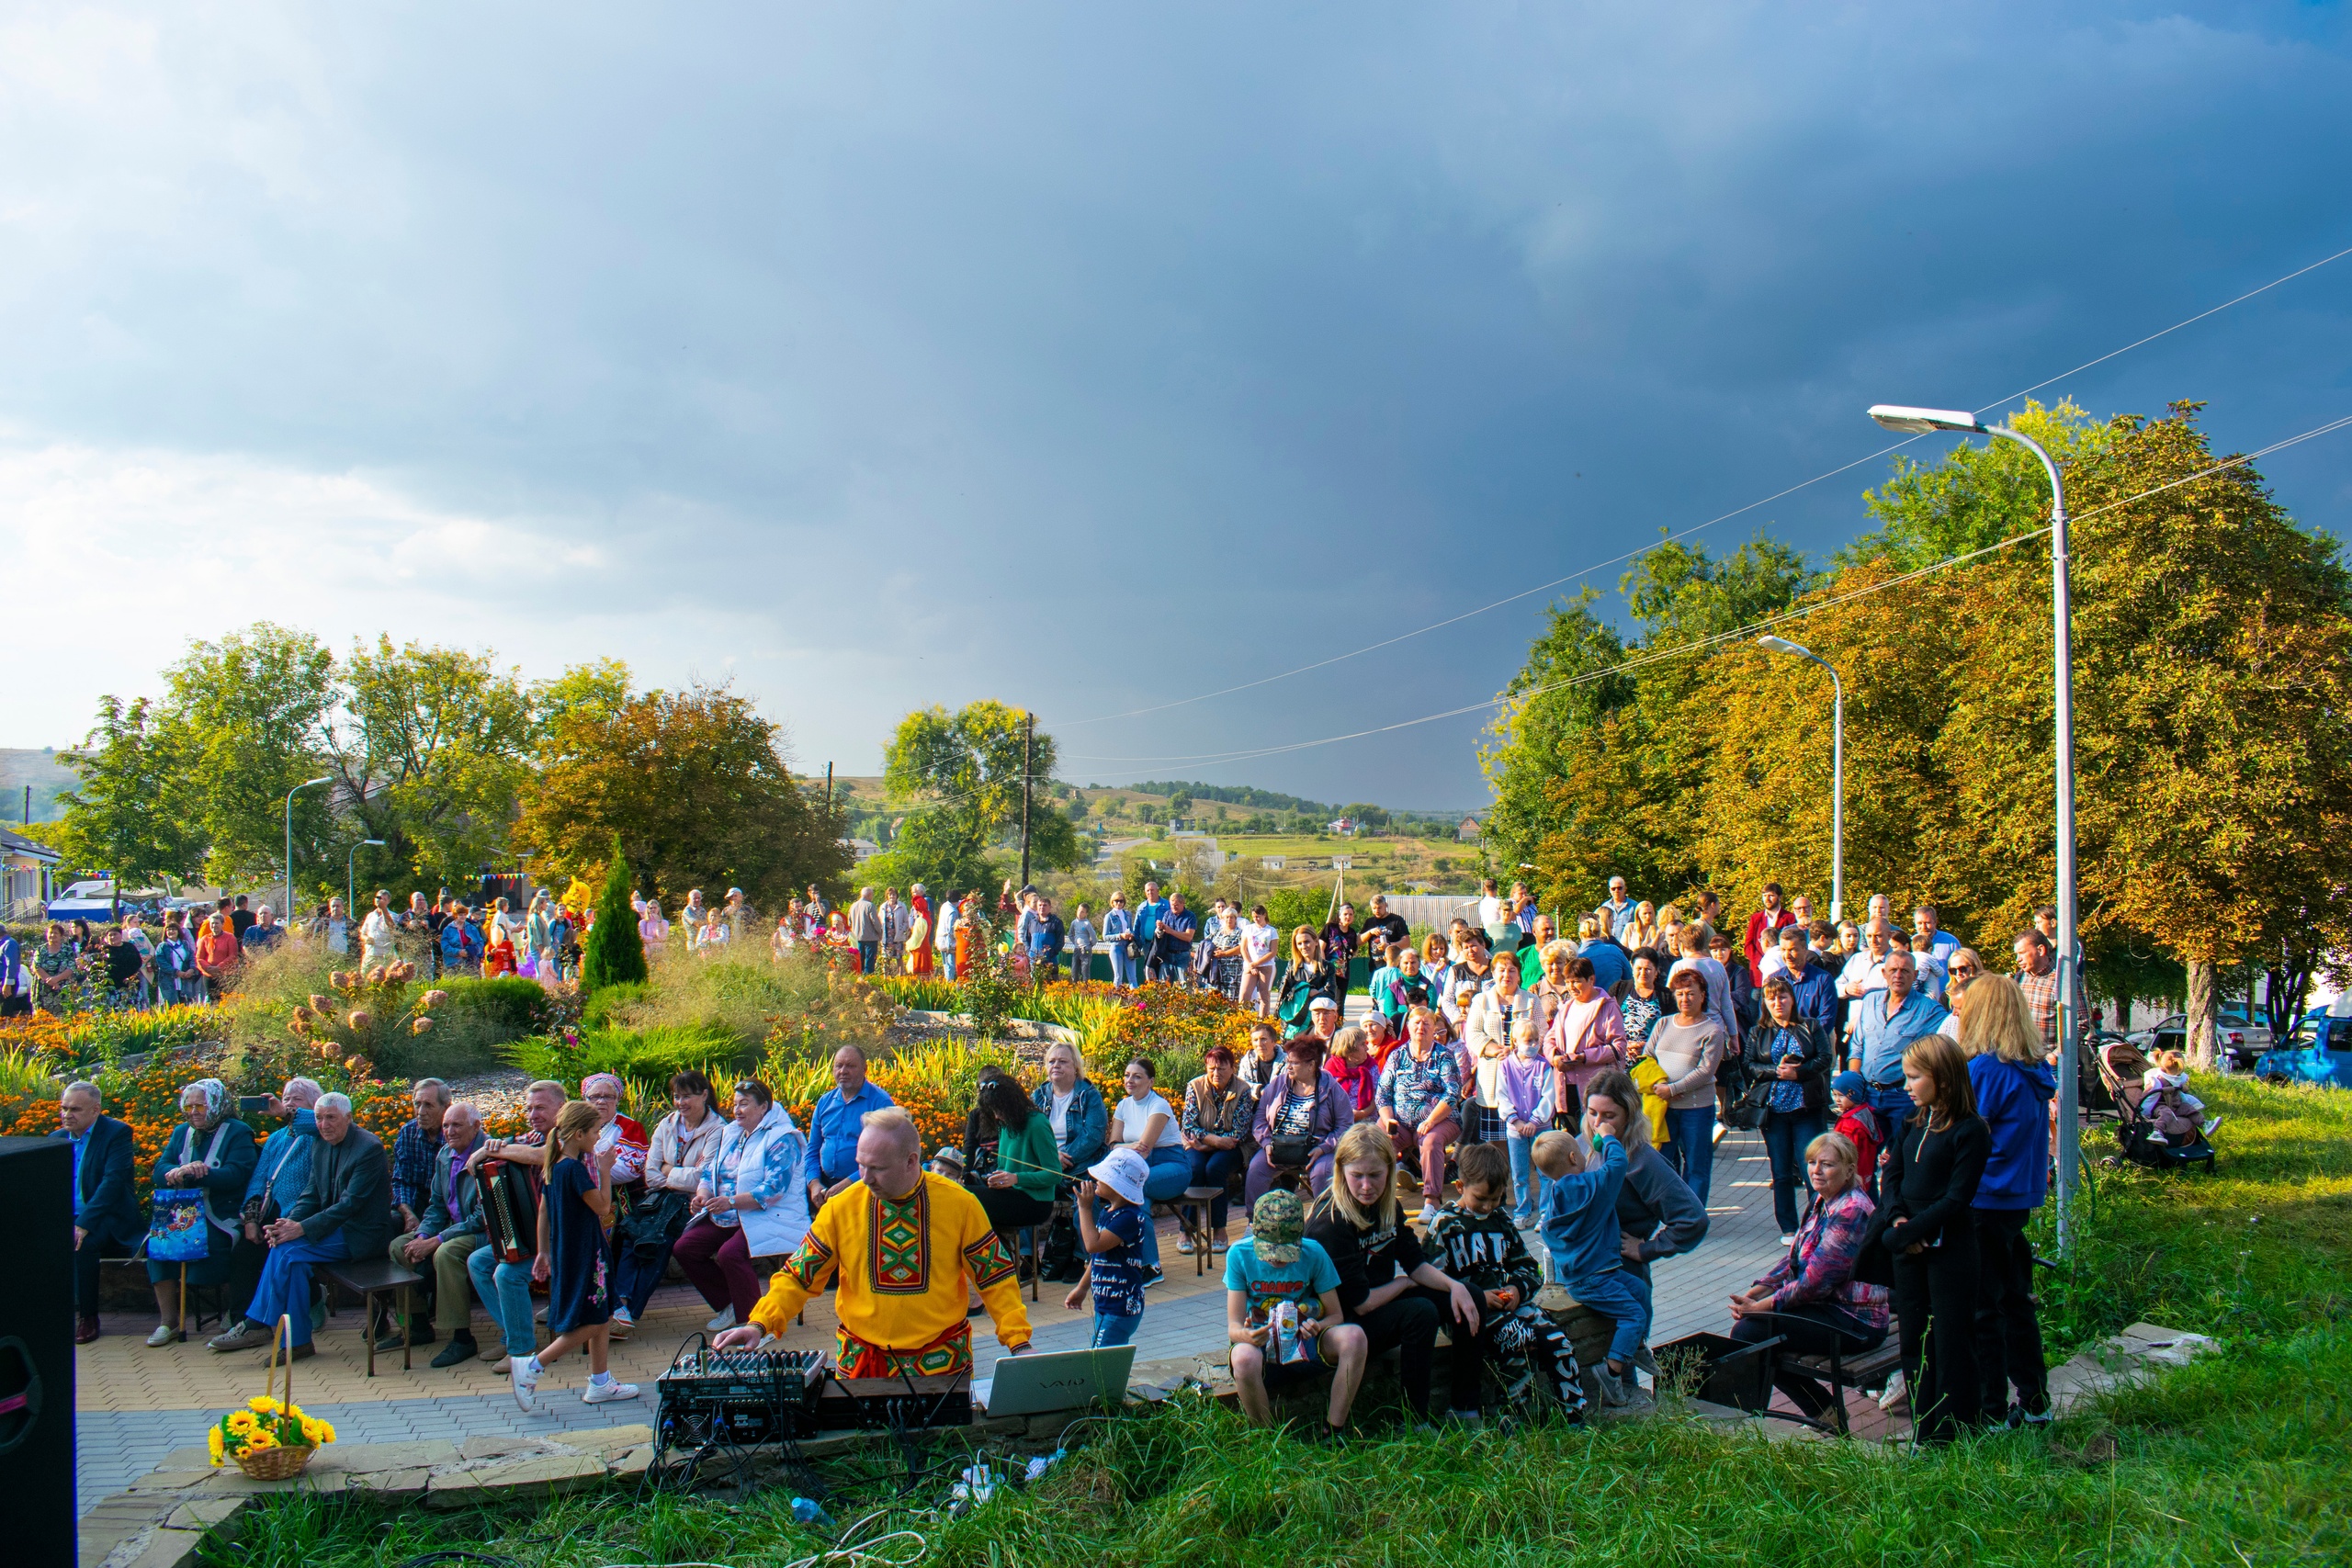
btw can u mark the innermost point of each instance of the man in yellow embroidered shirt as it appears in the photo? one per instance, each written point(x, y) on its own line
point(904, 1242)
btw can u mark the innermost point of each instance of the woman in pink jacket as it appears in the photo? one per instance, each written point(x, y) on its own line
point(1587, 1036)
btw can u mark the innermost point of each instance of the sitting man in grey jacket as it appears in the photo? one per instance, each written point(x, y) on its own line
point(445, 1235)
point(344, 1212)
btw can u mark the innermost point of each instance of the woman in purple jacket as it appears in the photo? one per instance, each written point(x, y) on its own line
point(1304, 1103)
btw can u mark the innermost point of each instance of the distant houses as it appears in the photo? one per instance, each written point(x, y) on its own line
point(1469, 831)
point(27, 874)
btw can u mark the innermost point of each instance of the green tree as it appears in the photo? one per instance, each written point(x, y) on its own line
point(132, 813)
point(614, 953)
point(435, 746)
point(962, 775)
point(255, 710)
point(693, 786)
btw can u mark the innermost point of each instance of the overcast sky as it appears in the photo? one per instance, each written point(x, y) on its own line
point(1089, 357)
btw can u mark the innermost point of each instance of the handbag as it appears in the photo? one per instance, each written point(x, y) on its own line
point(1746, 1112)
point(175, 1228)
point(655, 1219)
point(1295, 1153)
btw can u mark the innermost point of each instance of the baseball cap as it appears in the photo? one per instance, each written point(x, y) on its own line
point(1277, 1226)
point(1320, 1002)
point(951, 1154)
point(1122, 1171)
point(1851, 1084)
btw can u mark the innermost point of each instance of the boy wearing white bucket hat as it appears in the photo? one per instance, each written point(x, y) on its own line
point(1112, 1241)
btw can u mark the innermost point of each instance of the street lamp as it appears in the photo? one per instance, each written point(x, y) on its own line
point(291, 794)
point(350, 879)
point(1837, 770)
point(1920, 422)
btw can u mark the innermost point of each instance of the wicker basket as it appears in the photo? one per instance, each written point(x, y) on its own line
point(288, 1460)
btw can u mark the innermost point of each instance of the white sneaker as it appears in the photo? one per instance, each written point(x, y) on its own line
point(604, 1393)
point(724, 1320)
point(1184, 1244)
point(165, 1334)
point(1788, 1238)
point(1896, 1398)
point(621, 1319)
point(525, 1381)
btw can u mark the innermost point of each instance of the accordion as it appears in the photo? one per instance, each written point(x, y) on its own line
point(510, 1210)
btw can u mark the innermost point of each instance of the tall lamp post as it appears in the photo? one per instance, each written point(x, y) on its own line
point(305, 783)
point(2070, 1022)
point(1837, 770)
point(350, 880)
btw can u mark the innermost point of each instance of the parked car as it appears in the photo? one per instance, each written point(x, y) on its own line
point(2320, 1051)
point(2239, 1040)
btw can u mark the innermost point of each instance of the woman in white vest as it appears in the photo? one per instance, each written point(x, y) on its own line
point(750, 1203)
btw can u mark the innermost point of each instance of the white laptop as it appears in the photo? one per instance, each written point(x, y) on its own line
point(1058, 1380)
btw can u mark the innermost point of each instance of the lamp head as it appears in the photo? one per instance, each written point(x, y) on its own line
point(1782, 645)
point(1919, 422)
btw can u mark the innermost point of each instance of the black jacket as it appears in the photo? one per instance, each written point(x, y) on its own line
point(351, 1192)
point(1365, 1258)
point(1813, 1069)
point(110, 1206)
point(1928, 1184)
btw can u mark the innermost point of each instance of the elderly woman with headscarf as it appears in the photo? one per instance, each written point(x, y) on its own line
point(603, 1090)
point(209, 1157)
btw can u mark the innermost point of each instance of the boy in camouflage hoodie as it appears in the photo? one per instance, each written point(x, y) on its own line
point(1473, 1240)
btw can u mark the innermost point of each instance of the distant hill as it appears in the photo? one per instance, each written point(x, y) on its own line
point(43, 773)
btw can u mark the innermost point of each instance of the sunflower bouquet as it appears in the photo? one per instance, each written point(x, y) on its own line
point(262, 1425)
point(270, 1438)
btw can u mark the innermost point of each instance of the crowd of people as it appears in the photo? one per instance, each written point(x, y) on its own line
point(1553, 1104)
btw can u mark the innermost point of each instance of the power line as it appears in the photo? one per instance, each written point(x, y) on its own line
point(1695, 528)
point(1680, 650)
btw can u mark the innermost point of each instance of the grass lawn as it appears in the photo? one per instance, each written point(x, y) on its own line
point(2240, 1460)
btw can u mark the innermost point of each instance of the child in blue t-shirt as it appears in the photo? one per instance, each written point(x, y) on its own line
point(1581, 1233)
point(1112, 1240)
point(1281, 1266)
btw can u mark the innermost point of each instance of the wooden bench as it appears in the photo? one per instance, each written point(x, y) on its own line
point(1836, 1369)
point(369, 1278)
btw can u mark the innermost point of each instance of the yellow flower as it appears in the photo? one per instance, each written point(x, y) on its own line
point(262, 1407)
point(218, 1446)
point(326, 1431)
point(259, 1440)
point(240, 1421)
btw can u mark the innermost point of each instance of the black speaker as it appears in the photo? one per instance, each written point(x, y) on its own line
point(37, 1350)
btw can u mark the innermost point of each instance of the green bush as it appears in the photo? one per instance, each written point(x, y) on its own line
point(506, 1002)
point(645, 1057)
point(742, 992)
point(607, 1005)
point(615, 953)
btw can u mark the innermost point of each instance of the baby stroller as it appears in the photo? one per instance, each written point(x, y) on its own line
point(2122, 1068)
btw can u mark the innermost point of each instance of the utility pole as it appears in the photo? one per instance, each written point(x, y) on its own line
point(1028, 760)
point(829, 792)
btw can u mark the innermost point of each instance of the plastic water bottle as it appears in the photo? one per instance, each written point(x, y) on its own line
point(809, 1512)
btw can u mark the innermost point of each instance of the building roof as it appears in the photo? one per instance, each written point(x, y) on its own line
point(18, 844)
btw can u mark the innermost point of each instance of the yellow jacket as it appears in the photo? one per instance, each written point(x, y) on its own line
point(902, 1267)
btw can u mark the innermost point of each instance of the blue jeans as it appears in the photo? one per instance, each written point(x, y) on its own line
point(867, 954)
point(948, 960)
point(634, 1281)
point(1110, 1331)
point(1692, 1151)
point(1625, 1298)
point(1786, 1133)
point(1122, 965)
point(285, 1287)
point(1522, 1176)
point(1892, 1104)
point(1213, 1167)
point(505, 1292)
point(1171, 1172)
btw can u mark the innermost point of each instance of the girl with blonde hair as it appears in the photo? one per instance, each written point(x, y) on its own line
point(1387, 1286)
point(2015, 1091)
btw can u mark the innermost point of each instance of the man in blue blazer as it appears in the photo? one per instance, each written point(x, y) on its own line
point(106, 1201)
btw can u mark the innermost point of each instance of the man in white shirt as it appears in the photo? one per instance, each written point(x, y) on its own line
point(1865, 971)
